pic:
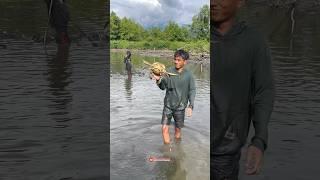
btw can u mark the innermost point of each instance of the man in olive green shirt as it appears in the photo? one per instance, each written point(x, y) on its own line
point(180, 90)
point(242, 91)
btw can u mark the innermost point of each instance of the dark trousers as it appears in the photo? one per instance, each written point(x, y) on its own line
point(226, 167)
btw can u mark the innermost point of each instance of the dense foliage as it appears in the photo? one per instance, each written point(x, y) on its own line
point(126, 33)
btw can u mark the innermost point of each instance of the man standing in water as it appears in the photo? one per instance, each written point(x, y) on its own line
point(242, 91)
point(180, 89)
point(59, 19)
point(127, 61)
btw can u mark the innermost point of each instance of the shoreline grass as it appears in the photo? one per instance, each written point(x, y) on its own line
point(199, 46)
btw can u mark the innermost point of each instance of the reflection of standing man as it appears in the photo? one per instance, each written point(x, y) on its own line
point(175, 169)
point(243, 90)
point(127, 61)
point(128, 87)
point(59, 73)
point(59, 19)
point(180, 89)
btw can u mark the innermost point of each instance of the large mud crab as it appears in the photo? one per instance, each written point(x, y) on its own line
point(158, 69)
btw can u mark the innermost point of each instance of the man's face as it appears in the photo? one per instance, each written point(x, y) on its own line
point(179, 62)
point(224, 10)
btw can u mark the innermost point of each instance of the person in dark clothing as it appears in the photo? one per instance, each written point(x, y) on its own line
point(59, 17)
point(242, 91)
point(127, 61)
point(180, 89)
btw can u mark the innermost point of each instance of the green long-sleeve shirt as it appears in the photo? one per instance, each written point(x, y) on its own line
point(242, 84)
point(180, 89)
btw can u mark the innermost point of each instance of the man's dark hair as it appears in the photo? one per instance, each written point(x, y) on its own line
point(182, 53)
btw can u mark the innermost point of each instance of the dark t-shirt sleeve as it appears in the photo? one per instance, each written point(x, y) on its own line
point(192, 91)
point(162, 83)
point(263, 87)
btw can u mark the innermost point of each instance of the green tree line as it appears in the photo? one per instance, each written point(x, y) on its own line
point(129, 30)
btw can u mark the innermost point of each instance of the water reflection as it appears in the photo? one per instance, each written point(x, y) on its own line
point(41, 96)
point(58, 76)
point(128, 86)
point(174, 170)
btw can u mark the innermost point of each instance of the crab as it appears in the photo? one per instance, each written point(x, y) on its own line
point(158, 69)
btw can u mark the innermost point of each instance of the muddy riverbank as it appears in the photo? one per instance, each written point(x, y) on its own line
point(194, 58)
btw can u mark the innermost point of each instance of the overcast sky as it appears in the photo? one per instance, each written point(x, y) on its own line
point(158, 12)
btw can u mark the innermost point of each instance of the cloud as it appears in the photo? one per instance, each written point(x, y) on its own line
point(171, 3)
point(158, 12)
